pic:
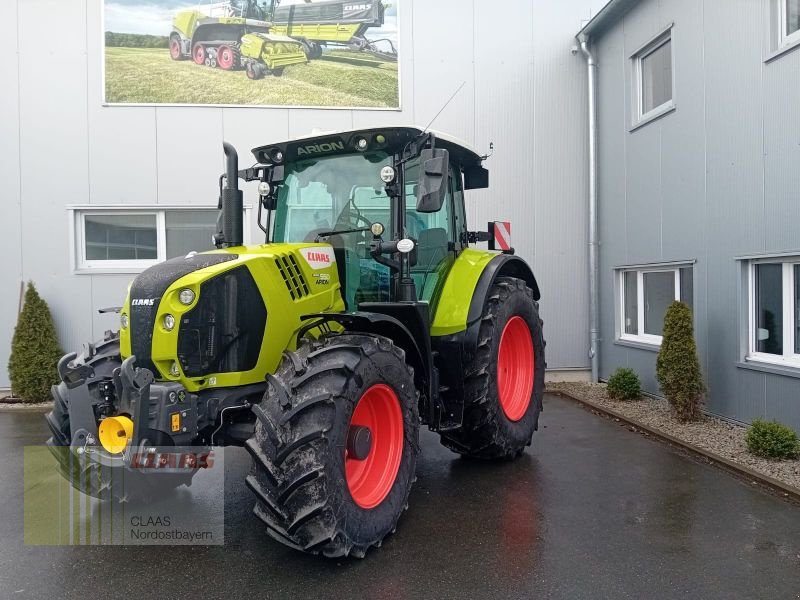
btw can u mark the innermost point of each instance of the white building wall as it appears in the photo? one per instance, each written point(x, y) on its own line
point(523, 90)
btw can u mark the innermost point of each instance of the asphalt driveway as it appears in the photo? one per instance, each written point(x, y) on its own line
point(590, 511)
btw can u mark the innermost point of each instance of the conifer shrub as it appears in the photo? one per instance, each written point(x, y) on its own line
point(34, 350)
point(678, 367)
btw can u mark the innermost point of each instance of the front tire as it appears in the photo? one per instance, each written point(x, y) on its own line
point(504, 383)
point(318, 488)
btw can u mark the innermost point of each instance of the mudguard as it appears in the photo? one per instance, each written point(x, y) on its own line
point(456, 325)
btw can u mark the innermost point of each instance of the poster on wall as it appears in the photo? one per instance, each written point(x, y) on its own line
point(288, 53)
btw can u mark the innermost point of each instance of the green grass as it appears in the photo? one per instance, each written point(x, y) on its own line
point(144, 75)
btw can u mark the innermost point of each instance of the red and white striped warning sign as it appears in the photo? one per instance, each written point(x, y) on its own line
point(502, 235)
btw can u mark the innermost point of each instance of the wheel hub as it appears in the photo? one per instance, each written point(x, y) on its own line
point(359, 442)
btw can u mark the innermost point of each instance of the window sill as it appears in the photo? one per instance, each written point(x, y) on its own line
point(781, 50)
point(768, 367)
point(653, 115)
point(649, 346)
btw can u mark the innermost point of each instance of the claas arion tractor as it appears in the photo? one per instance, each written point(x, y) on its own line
point(365, 314)
point(233, 35)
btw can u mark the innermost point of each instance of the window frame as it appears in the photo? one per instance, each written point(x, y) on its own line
point(77, 235)
point(789, 358)
point(642, 337)
point(785, 39)
point(639, 116)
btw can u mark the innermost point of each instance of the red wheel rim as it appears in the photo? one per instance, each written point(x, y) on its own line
point(515, 368)
point(370, 480)
point(199, 55)
point(175, 49)
point(225, 58)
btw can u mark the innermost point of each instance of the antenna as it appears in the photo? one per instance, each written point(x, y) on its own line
point(436, 116)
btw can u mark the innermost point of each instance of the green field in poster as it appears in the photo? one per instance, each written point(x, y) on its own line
point(147, 75)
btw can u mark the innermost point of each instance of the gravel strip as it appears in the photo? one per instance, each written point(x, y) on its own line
point(717, 436)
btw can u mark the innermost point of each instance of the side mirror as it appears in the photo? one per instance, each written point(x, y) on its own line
point(433, 181)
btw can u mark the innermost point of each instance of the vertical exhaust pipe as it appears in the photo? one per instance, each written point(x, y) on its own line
point(232, 203)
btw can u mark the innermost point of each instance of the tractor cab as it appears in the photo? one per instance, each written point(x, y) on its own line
point(389, 201)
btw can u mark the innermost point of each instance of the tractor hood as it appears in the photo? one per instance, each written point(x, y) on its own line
point(205, 320)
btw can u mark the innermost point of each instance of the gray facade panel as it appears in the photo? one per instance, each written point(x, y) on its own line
point(10, 176)
point(715, 179)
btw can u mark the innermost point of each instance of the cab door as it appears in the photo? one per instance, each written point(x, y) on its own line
point(438, 235)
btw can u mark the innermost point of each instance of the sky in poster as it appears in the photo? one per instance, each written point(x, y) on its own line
point(154, 17)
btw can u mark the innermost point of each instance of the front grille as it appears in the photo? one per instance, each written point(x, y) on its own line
point(223, 332)
point(292, 276)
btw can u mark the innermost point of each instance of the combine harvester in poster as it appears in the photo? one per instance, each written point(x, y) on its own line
point(221, 53)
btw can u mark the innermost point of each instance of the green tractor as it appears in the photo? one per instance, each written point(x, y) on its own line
point(233, 35)
point(364, 314)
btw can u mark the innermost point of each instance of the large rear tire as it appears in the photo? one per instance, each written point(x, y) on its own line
point(334, 452)
point(504, 383)
point(175, 51)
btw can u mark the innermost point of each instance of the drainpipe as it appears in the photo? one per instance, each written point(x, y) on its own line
point(594, 247)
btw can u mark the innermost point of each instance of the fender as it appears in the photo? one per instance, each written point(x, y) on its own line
point(407, 324)
point(468, 283)
point(458, 316)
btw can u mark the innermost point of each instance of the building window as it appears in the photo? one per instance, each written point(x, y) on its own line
point(653, 83)
point(775, 311)
point(127, 239)
point(789, 21)
point(645, 294)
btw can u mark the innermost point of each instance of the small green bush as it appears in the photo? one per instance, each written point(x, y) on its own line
point(34, 350)
point(677, 367)
point(770, 439)
point(624, 384)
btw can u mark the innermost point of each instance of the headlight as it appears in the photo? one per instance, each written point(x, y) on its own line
point(361, 144)
point(264, 188)
point(174, 370)
point(123, 320)
point(377, 229)
point(186, 296)
point(169, 322)
point(387, 174)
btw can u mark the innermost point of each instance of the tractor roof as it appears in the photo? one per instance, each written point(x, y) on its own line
point(378, 138)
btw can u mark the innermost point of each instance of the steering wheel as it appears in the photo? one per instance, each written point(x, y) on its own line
point(353, 219)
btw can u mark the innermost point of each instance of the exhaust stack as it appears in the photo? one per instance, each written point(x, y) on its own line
point(231, 202)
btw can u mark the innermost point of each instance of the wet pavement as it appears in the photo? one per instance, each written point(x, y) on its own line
point(590, 511)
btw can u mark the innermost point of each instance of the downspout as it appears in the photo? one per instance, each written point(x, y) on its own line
point(594, 247)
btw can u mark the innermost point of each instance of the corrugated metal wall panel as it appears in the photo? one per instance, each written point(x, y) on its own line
point(560, 154)
point(10, 176)
point(781, 95)
point(189, 149)
point(612, 139)
point(53, 151)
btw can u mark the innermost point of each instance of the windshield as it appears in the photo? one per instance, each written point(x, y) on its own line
point(344, 192)
point(337, 192)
